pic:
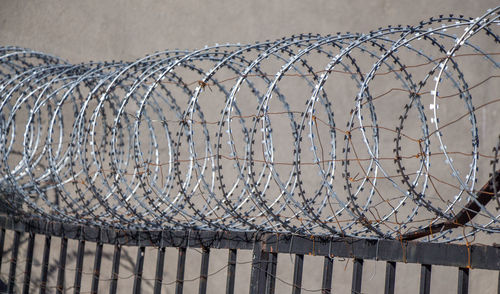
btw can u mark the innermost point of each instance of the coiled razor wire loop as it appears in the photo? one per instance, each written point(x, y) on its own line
point(251, 137)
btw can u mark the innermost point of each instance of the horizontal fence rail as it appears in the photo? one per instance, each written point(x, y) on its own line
point(474, 256)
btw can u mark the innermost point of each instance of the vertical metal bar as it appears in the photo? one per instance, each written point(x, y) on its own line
point(297, 273)
point(62, 265)
point(463, 280)
point(97, 268)
point(205, 255)
point(326, 285)
point(231, 271)
point(254, 277)
point(79, 267)
point(181, 264)
point(263, 267)
point(357, 276)
point(45, 264)
point(390, 277)
point(255, 274)
point(271, 273)
point(3, 286)
point(2, 241)
point(29, 263)
point(160, 259)
point(13, 262)
point(498, 282)
point(139, 265)
point(425, 279)
point(115, 269)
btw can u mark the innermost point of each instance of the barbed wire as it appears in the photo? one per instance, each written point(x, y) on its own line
point(248, 137)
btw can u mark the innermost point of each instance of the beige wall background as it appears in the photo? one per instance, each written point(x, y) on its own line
point(101, 30)
point(80, 31)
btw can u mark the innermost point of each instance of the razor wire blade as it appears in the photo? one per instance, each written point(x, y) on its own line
point(252, 137)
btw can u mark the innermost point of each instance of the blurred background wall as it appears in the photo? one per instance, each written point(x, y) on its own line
point(102, 30)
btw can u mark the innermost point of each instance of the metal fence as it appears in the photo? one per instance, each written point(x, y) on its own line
point(265, 249)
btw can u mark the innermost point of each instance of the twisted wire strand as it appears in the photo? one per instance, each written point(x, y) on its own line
point(250, 137)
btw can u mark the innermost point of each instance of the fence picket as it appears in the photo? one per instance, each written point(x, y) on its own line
point(13, 262)
point(62, 266)
point(271, 273)
point(231, 271)
point(29, 263)
point(181, 264)
point(256, 267)
point(2, 241)
point(45, 264)
point(205, 255)
point(357, 275)
point(390, 277)
point(139, 265)
point(326, 285)
point(79, 266)
point(297, 273)
point(425, 278)
point(463, 280)
point(97, 268)
point(160, 259)
point(115, 269)
point(498, 282)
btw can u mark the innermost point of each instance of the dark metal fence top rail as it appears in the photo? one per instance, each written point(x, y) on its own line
point(473, 256)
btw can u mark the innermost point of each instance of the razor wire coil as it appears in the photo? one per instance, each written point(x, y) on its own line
point(185, 139)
